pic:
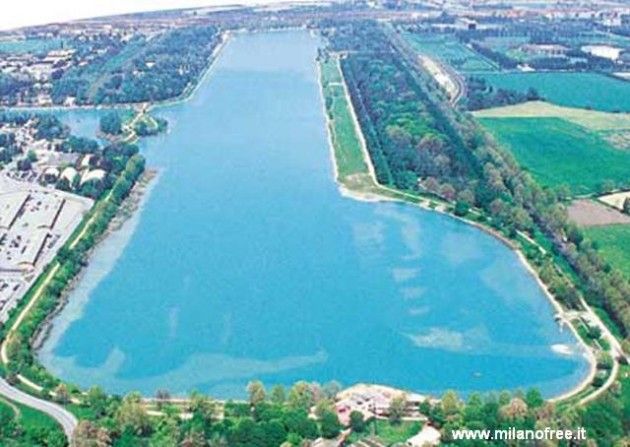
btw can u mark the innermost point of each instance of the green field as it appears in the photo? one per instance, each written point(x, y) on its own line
point(343, 132)
point(449, 50)
point(584, 90)
point(33, 426)
point(558, 152)
point(613, 242)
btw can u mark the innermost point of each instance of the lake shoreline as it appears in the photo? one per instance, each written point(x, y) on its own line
point(128, 209)
point(347, 191)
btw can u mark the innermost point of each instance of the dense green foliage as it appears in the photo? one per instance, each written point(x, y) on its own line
point(141, 70)
point(558, 152)
point(408, 137)
point(480, 95)
point(111, 123)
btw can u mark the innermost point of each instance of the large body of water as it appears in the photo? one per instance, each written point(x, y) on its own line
point(246, 262)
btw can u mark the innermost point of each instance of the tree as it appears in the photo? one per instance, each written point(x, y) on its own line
point(89, 435)
point(514, 410)
point(61, 394)
point(194, 439)
point(533, 398)
point(111, 123)
point(162, 396)
point(202, 408)
point(330, 425)
point(278, 395)
point(397, 408)
point(300, 396)
point(450, 403)
point(256, 391)
point(132, 415)
point(357, 421)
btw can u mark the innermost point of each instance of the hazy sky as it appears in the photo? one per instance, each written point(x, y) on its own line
point(17, 13)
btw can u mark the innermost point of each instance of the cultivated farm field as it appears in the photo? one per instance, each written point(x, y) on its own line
point(583, 90)
point(558, 152)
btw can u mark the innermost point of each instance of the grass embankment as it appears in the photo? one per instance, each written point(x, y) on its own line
point(558, 152)
point(352, 171)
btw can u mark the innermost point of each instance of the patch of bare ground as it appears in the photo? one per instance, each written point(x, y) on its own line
point(589, 213)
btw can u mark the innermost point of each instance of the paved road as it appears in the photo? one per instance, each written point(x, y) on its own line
point(66, 419)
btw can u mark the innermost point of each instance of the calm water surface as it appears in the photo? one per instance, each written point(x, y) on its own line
point(246, 262)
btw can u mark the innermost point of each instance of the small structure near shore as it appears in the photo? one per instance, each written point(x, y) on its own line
point(374, 401)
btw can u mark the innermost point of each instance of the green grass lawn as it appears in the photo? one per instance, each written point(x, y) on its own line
point(558, 152)
point(346, 142)
point(448, 49)
point(389, 433)
point(614, 244)
point(330, 71)
point(585, 90)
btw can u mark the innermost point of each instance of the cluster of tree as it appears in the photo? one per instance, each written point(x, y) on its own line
point(604, 419)
point(153, 69)
point(79, 145)
point(409, 138)
point(111, 123)
point(77, 81)
point(49, 127)
point(144, 129)
point(13, 88)
point(502, 59)
point(481, 95)
point(280, 417)
point(8, 147)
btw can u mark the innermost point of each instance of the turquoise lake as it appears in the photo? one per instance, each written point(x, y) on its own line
point(245, 262)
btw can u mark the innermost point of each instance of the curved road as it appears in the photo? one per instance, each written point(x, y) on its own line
point(67, 420)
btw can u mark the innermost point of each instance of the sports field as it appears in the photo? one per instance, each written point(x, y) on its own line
point(614, 244)
point(558, 152)
point(448, 49)
point(584, 90)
